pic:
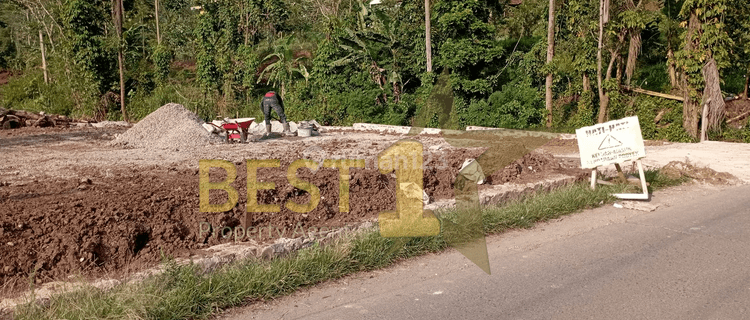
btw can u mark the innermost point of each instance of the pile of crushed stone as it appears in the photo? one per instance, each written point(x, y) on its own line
point(169, 127)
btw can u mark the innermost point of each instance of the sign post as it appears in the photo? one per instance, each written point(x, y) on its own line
point(613, 142)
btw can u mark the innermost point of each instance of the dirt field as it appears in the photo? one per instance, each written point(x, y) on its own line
point(72, 204)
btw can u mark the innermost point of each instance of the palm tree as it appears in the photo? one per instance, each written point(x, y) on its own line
point(283, 66)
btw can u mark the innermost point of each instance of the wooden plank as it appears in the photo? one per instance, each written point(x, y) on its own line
point(654, 93)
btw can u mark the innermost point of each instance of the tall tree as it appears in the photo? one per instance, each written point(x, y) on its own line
point(634, 26)
point(603, 19)
point(466, 45)
point(156, 18)
point(705, 40)
point(738, 25)
point(118, 11)
point(669, 34)
point(44, 57)
point(428, 36)
point(550, 55)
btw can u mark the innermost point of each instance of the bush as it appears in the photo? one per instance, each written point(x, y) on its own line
point(29, 92)
point(517, 106)
point(652, 77)
point(437, 107)
point(143, 103)
point(162, 61)
point(731, 134)
point(363, 106)
point(584, 116)
point(669, 126)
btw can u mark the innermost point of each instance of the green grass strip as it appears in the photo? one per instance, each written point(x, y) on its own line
point(182, 292)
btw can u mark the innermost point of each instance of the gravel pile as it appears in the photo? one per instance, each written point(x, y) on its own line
point(169, 127)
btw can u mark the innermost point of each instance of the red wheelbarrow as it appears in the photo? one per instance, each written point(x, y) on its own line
point(236, 129)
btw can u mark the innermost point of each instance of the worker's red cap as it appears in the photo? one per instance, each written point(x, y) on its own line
point(270, 94)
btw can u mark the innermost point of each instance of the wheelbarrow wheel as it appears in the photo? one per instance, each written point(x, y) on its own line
point(243, 135)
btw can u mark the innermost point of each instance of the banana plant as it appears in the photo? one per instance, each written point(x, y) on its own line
point(374, 47)
point(282, 67)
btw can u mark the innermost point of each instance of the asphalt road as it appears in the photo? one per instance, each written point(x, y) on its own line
point(689, 259)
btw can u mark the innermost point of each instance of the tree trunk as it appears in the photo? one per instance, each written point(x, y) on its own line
point(586, 82)
point(633, 50)
point(428, 41)
point(690, 107)
point(712, 95)
point(44, 58)
point(550, 55)
point(28, 36)
point(156, 10)
point(119, 13)
point(603, 18)
point(673, 81)
point(634, 47)
point(604, 102)
point(619, 68)
point(614, 56)
point(747, 84)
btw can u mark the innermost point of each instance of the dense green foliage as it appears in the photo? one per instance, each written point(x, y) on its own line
point(345, 61)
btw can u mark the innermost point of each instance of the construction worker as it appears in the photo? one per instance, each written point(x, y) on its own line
point(273, 100)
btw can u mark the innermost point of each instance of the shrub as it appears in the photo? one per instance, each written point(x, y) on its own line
point(29, 92)
point(162, 61)
point(437, 105)
point(670, 125)
point(516, 106)
point(731, 134)
point(584, 115)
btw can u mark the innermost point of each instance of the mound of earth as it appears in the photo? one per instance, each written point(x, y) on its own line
point(678, 169)
point(169, 127)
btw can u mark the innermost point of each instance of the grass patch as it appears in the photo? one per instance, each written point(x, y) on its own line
point(547, 206)
point(182, 292)
point(658, 180)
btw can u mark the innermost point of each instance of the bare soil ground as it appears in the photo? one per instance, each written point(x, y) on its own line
point(71, 204)
point(4, 76)
point(738, 108)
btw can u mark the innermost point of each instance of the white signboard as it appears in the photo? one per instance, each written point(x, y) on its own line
point(610, 142)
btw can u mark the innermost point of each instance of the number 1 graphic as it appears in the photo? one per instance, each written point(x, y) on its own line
point(409, 220)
